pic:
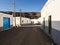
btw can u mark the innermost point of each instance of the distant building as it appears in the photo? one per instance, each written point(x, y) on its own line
point(7, 19)
point(26, 17)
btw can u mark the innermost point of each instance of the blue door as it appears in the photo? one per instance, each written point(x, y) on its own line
point(6, 22)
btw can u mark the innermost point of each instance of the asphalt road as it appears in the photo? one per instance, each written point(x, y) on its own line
point(24, 36)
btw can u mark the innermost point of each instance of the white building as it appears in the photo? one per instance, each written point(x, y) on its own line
point(34, 20)
point(52, 7)
point(6, 21)
point(24, 20)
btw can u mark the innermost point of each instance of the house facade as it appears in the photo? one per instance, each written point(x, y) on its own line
point(52, 9)
point(6, 21)
point(19, 22)
point(9, 20)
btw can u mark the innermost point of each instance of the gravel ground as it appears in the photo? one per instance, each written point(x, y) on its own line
point(24, 36)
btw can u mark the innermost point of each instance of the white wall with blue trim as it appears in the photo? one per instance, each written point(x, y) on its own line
point(2, 15)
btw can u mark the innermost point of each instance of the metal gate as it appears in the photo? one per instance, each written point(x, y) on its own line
point(6, 23)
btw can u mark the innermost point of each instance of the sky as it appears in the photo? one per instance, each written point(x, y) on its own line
point(24, 5)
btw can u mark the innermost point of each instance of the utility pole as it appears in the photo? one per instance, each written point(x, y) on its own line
point(20, 17)
point(31, 15)
point(23, 14)
point(14, 12)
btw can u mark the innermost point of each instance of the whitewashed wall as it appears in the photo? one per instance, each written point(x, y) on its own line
point(5, 15)
point(34, 20)
point(25, 21)
point(52, 7)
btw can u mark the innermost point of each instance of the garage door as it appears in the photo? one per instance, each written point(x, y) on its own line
point(6, 22)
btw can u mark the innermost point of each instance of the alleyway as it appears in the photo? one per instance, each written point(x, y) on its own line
point(24, 36)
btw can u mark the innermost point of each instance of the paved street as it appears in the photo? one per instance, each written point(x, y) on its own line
point(24, 36)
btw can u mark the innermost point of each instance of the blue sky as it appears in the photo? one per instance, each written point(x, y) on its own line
point(24, 5)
